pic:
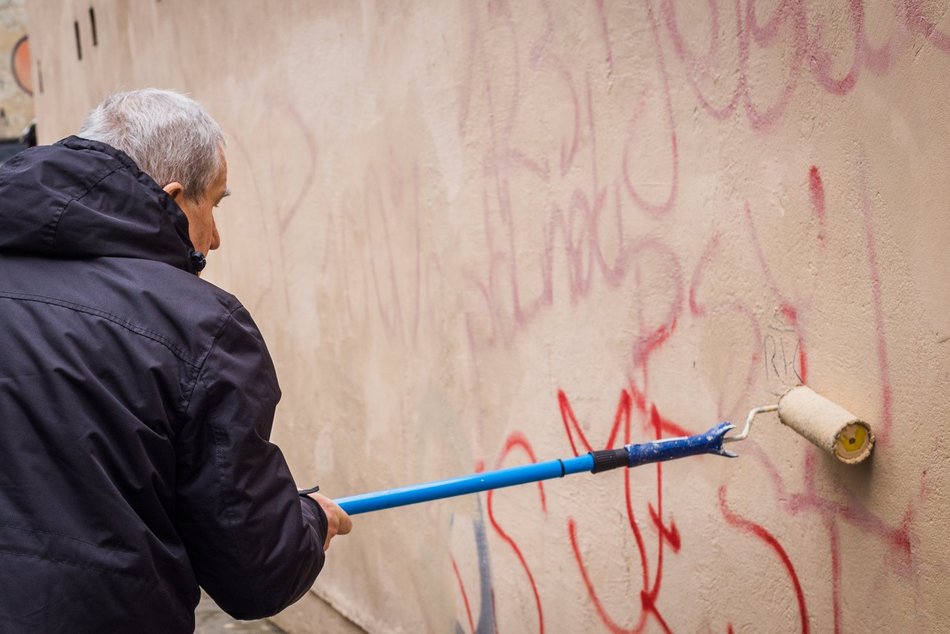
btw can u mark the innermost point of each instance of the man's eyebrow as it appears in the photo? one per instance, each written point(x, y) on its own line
point(227, 192)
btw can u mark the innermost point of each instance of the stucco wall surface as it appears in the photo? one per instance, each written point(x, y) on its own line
point(481, 234)
point(16, 104)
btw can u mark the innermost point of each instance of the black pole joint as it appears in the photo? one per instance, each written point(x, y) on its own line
point(607, 459)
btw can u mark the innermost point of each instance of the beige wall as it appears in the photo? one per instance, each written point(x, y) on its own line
point(475, 234)
point(16, 104)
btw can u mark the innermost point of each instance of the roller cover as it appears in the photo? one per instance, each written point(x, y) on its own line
point(826, 424)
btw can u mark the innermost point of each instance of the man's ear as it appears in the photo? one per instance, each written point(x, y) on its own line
point(174, 189)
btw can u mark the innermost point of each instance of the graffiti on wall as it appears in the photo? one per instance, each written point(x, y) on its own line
point(519, 281)
point(16, 90)
point(20, 65)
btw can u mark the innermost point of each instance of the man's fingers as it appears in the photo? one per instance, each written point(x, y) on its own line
point(338, 522)
point(346, 524)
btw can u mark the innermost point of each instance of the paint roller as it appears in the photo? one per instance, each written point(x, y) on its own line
point(823, 422)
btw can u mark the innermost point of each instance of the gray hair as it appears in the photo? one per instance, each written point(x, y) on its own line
point(168, 135)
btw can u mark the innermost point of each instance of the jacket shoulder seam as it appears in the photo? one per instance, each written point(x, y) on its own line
point(199, 365)
point(16, 552)
point(124, 323)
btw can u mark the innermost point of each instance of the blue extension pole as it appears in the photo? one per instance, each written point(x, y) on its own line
point(594, 462)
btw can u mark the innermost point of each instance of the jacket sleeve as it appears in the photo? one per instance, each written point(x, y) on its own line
point(254, 544)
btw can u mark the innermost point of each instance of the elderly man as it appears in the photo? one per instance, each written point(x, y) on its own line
point(136, 400)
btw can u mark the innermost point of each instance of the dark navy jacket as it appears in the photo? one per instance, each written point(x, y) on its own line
point(136, 403)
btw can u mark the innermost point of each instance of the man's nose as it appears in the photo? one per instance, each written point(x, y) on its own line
point(215, 238)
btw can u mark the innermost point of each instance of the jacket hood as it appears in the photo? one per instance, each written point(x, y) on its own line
point(85, 199)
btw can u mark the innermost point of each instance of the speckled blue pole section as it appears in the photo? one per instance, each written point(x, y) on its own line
point(673, 448)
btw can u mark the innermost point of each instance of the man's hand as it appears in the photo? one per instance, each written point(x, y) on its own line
point(338, 522)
